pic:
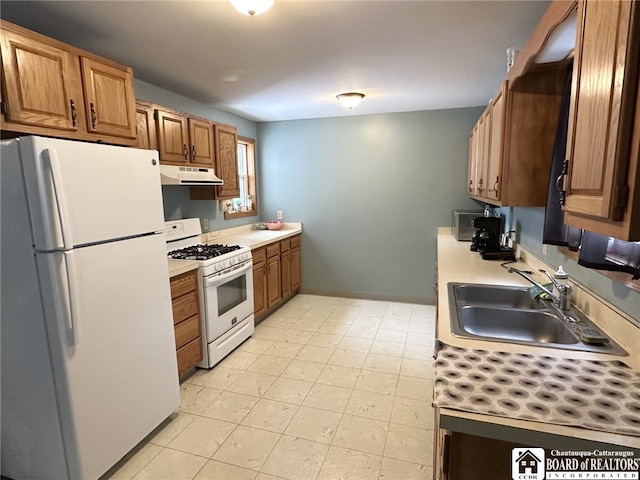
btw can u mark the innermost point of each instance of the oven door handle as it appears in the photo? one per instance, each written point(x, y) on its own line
point(216, 279)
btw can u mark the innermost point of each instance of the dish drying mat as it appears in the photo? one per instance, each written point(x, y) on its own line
point(600, 395)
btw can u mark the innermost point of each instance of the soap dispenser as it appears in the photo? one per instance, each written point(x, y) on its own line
point(561, 276)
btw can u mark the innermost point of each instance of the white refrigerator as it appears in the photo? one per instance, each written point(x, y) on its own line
point(88, 363)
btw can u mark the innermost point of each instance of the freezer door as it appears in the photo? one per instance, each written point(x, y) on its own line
point(82, 193)
point(109, 320)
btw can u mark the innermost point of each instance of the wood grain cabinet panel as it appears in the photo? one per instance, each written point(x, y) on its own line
point(173, 137)
point(227, 162)
point(145, 126)
point(201, 138)
point(186, 320)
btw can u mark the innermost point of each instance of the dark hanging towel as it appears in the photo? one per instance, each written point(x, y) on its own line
point(555, 231)
point(607, 253)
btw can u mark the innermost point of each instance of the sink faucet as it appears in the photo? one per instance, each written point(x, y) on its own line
point(564, 291)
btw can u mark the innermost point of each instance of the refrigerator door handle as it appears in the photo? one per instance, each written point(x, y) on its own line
point(72, 295)
point(61, 202)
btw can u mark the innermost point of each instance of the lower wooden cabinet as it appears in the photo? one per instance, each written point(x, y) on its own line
point(186, 320)
point(276, 275)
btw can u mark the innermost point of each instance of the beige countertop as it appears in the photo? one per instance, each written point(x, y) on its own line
point(456, 263)
point(243, 236)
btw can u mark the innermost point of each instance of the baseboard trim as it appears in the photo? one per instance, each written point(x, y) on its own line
point(368, 296)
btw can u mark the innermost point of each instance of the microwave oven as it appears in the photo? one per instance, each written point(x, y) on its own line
point(461, 224)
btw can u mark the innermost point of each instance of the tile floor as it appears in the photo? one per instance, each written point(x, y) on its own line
point(327, 388)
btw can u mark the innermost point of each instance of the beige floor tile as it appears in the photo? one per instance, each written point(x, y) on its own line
point(171, 465)
point(355, 344)
point(342, 316)
point(328, 397)
point(214, 470)
point(420, 338)
point(255, 345)
point(382, 363)
point(339, 376)
point(171, 428)
point(325, 340)
point(384, 383)
point(362, 434)
point(416, 388)
point(218, 377)
point(367, 320)
point(391, 322)
point(391, 335)
point(370, 405)
point(280, 320)
point(422, 326)
point(194, 398)
point(296, 336)
point(313, 424)
point(288, 390)
point(247, 447)
point(230, 407)
point(333, 328)
point(269, 365)
point(295, 458)
point(284, 349)
point(414, 413)
point(417, 368)
point(346, 464)
point(348, 358)
point(307, 325)
point(384, 347)
point(250, 383)
point(317, 313)
point(393, 469)
point(202, 437)
point(409, 444)
point(239, 360)
point(418, 352)
point(303, 370)
point(310, 353)
point(133, 462)
point(270, 415)
point(361, 331)
point(266, 476)
point(269, 333)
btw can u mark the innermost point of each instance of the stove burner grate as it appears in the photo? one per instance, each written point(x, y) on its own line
point(202, 252)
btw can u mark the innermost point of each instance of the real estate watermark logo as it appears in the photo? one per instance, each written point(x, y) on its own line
point(527, 463)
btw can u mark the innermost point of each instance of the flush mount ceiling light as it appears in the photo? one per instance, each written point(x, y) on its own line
point(350, 100)
point(252, 7)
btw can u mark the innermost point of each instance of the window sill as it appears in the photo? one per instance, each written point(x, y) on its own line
point(249, 213)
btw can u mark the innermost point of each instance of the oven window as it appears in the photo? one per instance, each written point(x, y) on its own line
point(231, 294)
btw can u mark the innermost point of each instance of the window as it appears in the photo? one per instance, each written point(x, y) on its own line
point(246, 205)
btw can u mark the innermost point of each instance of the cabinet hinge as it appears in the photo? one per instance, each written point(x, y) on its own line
point(621, 195)
point(3, 108)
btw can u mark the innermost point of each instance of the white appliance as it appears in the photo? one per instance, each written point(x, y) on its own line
point(87, 345)
point(181, 175)
point(225, 281)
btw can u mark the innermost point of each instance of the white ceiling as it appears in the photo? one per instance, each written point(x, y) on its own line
point(290, 62)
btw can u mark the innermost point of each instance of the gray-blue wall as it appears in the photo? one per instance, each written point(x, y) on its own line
point(371, 191)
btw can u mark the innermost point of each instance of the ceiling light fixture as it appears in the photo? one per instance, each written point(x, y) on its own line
point(350, 100)
point(252, 7)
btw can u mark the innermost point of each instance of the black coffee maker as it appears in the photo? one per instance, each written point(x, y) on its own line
point(486, 239)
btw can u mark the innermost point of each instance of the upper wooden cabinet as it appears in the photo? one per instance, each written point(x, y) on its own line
point(184, 140)
point(146, 126)
point(227, 162)
point(602, 193)
point(54, 89)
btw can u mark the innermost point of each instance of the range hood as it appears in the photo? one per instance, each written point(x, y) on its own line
point(176, 175)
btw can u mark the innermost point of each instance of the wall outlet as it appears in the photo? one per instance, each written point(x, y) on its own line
point(205, 224)
point(279, 214)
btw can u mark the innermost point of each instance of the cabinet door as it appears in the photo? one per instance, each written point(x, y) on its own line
point(259, 288)
point(146, 127)
point(496, 134)
point(173, 135)
point(296, 272)
point(473, 162)
point(273, 280)
point(201, 136)
point(227, 162)
point(42, 83)
point(603, 92)
point(285, 265)
point(109, 99)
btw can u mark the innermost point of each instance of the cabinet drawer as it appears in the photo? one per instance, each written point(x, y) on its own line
point(187, 331)
point(285, 245)
point(295, 241)
point(273, 250)
point(187, 282)
point(189, 355)
point(259, 255)
point(184, 307)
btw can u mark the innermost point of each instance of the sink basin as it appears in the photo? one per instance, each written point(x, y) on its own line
point(531, 326)
point(504, 296)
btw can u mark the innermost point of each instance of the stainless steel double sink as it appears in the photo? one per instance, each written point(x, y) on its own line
point(509, 314)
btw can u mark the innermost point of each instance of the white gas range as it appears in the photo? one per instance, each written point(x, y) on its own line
point(225, 284)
